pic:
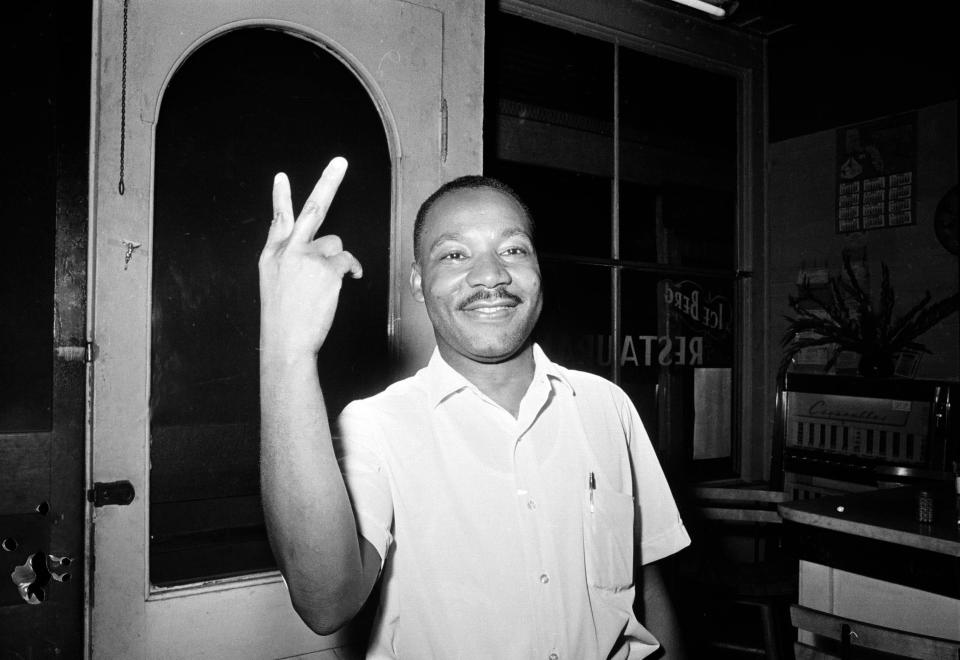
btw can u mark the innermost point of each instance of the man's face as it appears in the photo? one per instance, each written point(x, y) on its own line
point(478, 275)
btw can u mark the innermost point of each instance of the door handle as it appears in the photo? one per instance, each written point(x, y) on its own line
point(120, 493)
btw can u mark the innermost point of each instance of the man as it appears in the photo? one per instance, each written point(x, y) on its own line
point(496, 495)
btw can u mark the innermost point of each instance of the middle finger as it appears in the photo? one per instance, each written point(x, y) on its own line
point(315, 209)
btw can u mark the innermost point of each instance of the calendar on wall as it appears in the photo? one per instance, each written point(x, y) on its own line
point(876, 174)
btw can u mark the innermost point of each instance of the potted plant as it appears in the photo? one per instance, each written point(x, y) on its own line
point(846, 319)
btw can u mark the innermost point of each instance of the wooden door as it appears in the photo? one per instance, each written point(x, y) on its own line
point(393, 50)
point(42, 330)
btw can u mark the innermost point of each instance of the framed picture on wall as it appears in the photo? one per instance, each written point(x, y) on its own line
point(876, 174)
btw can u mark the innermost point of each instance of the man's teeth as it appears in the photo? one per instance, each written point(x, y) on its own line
point(489, 309)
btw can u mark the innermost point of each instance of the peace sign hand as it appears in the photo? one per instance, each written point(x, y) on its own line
point(301, 276)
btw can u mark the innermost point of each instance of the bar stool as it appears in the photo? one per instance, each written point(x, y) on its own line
point(718, 581)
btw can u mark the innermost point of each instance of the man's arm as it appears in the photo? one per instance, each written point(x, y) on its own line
point(659, 616)
point(329, 568)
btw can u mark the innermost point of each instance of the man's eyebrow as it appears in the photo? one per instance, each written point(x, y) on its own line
point(443, 238)
point(515, 231)
point(457, 237)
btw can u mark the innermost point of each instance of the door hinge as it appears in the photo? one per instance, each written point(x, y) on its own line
point(120, 493)
point(80, 353)
point(443, 130)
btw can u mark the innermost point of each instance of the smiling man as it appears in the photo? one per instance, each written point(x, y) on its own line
point(477, 272)
point(503, 501)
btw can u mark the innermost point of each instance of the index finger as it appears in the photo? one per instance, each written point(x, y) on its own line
point(282, 223)
point(315, 209)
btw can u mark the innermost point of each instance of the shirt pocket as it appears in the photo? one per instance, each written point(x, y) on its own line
point(608, 538)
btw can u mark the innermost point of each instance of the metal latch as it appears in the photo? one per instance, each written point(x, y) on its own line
point(120, 493)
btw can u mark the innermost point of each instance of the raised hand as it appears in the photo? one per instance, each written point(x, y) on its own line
point(301, 276)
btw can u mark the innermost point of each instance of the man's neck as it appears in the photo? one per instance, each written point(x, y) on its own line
point(504, 382)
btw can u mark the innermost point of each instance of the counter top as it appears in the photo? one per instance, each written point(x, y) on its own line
point(887, 514)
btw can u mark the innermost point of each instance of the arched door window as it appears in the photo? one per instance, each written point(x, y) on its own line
point(246, 105)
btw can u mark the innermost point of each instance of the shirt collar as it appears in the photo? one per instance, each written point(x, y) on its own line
point(442, 380)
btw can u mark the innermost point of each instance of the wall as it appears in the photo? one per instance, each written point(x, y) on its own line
point(801, 199)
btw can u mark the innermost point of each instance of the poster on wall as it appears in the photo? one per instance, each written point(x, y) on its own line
point(876, 174)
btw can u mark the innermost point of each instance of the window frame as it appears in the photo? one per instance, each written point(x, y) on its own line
point(714, 48)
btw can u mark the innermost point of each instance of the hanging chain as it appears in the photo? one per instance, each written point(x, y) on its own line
point(123, 98)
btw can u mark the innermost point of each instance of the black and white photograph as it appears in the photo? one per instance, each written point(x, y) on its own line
point(480, 330)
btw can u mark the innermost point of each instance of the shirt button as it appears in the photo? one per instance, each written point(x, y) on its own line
point(553, 656)
point(544, 578)
point(531, 505)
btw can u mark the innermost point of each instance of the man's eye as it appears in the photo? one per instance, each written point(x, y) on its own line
point(516, 251)
point(452, 256)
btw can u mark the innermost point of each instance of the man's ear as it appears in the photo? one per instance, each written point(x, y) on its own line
point(416, 282)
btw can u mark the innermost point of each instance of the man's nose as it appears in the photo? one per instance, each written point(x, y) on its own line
point(488, 270)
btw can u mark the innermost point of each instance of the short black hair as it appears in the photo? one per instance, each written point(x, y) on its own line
point(469, 182)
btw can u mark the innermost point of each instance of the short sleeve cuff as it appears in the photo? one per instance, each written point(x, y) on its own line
point(376, 534)
point(665, 544)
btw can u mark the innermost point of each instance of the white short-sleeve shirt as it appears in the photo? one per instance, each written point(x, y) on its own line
point(507, 537)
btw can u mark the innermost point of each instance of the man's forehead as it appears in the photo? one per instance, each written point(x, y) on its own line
point(478, 203)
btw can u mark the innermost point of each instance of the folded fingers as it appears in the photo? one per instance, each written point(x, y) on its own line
point(344, 263)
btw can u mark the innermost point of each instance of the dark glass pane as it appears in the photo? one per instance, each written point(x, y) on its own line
point(549, 129)
point(245, 106)
point(540, 66)
point(678, 337)
point(678, 159)
point(698, 227)
point(639, 206)
point(574, 328)
point(677, 107)
point(28, 220)
point(571, 210)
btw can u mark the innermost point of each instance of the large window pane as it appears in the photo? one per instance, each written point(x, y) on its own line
point(678, 191)
point(245, 106)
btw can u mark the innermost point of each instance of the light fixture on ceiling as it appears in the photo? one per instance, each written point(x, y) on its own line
point(706, 7)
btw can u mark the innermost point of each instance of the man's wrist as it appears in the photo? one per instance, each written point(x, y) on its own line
point(279, 345)
point(282, 354)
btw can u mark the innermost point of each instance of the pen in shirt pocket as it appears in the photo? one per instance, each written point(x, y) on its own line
point(591, 486)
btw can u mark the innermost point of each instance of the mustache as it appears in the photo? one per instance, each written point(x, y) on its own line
point(487, 295)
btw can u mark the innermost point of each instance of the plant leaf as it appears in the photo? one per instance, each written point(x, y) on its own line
point(926, 319)
point(902, 326)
